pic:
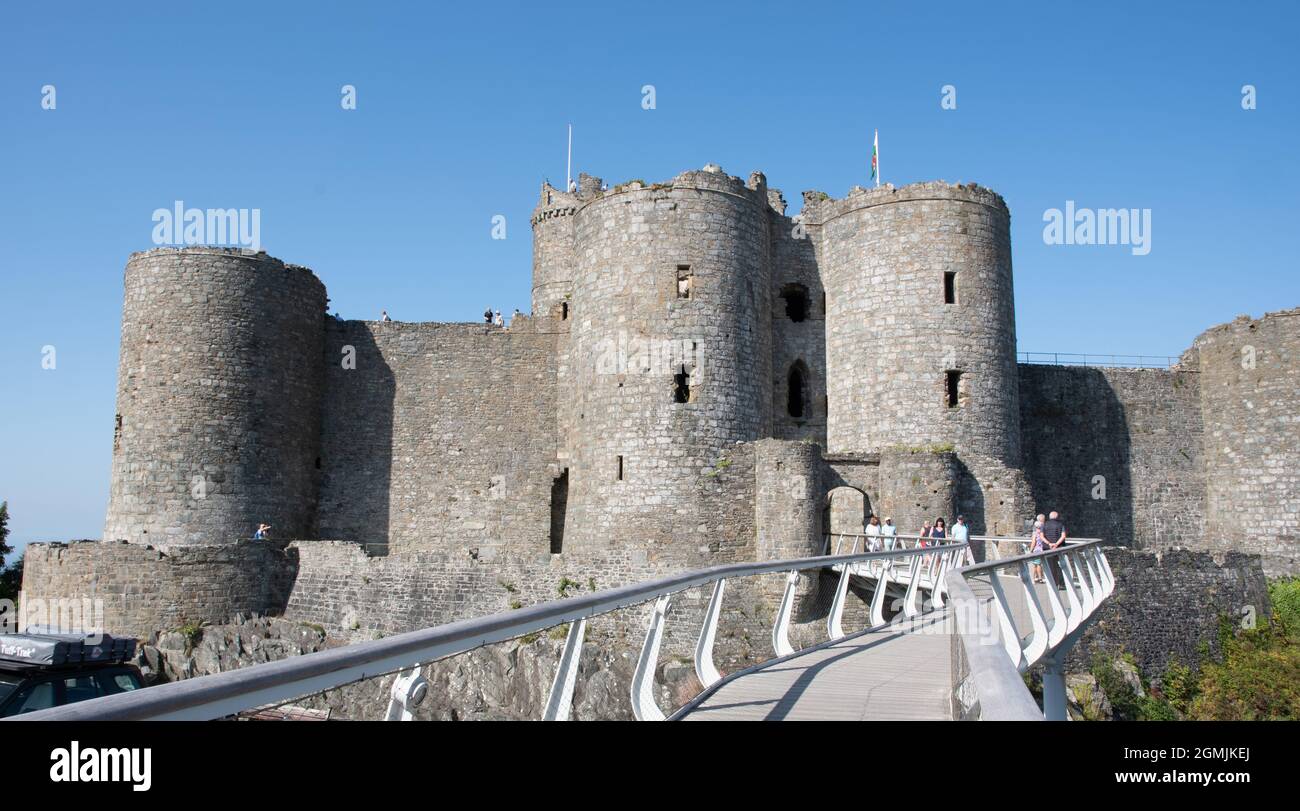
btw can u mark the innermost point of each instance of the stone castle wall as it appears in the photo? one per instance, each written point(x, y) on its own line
point(218, 398)
point(1248, 371)
point(439, 435)
point(1168, 604)
point(142, 589)
point(1139, 429)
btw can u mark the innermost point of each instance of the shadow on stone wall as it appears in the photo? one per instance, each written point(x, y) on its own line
point(1074, 428)
point(357, 438)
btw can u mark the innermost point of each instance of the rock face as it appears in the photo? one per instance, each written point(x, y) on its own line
point(507, 681)
point(1086, 701)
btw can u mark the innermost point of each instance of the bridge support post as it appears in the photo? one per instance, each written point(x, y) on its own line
point(704, 667)
point(643, 681)
point(834, 622)
point(560, 699)
point(408, 690)
point(1054, 685)
point(781, 628)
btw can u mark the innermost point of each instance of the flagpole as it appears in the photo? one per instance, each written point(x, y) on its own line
point(875, 153)
point(568, 166)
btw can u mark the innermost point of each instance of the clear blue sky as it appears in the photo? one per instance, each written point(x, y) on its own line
point(462, 112)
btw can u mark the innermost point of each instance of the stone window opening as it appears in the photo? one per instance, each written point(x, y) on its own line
point(685, 280)
point(797, 401)
point(950, 287)
point(952, 379)
point(564, 311)
point(796, 302)
point(559, 508)
point(683, 391)
point(620, 468)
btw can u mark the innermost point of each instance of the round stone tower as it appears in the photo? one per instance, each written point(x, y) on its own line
point(920, 329)
point(553, 262)
point(671, 353)
point(218, 398)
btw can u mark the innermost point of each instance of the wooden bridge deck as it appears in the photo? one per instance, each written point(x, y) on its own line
point(894, 673)
point(886, 674)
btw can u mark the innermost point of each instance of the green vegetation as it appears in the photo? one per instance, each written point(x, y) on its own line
point(193, 632)
point(933, 447)
point(564, 585)
point(1254, 677)
point(11, 577)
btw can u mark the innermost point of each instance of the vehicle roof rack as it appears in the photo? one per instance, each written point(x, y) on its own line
point(36, 649)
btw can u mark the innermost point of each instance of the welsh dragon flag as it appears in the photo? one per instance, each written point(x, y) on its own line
point(875, 158)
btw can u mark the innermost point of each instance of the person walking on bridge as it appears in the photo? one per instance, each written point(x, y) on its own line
point(1054, 536)
point(1036, 543)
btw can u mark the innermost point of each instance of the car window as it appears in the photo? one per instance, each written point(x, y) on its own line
point(31, 698)
point(8, 684)
point(80, 688)
point(111, 683)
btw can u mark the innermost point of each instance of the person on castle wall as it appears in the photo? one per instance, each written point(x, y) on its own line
point(487, 316)
point(514, 316)
point(873, 533)
point(261, 535)
point(383, 316)
point(498, 320)
point(888, 531)
point(1036, 543)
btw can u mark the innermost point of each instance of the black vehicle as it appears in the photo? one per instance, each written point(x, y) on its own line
point(43, 670)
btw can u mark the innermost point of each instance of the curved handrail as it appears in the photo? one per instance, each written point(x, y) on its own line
point(1001, 690)
point(223, 694)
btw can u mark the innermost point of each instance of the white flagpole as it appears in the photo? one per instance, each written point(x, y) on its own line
point(875, 156)
point(568, 167)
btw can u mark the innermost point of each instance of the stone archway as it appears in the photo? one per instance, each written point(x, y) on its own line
point(844, 511)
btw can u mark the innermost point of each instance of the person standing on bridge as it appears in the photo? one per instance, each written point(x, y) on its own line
point(888, 531)
point(873, 533)
point(961, 534)
point(1036, 545)
point(1054, 535)
point(925, 534)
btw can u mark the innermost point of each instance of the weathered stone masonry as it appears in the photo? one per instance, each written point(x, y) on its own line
point(700, 381)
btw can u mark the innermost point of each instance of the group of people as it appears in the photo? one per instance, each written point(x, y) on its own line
point(880, 536)
point(491, 316)
point(1048, 534)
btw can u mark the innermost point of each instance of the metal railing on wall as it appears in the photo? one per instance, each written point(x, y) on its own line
point(1105, 361)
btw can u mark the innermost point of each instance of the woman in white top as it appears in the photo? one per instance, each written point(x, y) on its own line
point(873, 534)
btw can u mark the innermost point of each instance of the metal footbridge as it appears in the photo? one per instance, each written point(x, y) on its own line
point(946, 638)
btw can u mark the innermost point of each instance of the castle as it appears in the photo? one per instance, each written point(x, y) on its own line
point(702, 379)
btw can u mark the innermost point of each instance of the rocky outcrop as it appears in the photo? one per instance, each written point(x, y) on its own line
point(506, 681)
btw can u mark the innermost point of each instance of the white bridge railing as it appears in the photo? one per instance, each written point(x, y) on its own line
point(908, 570)
point(1056, 614)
